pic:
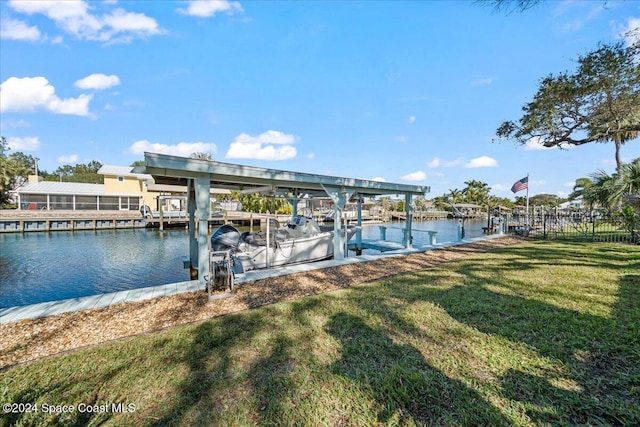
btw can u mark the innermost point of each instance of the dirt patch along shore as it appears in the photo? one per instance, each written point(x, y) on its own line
point(28, 340)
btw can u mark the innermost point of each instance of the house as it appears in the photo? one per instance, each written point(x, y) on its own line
point(122, 190)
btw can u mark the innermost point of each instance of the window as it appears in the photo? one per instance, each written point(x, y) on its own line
point(64, 202)
point(109, 203)
point(34, 201)
point(86, 203)
point(121, 179)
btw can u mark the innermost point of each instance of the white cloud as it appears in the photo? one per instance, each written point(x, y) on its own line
point(311, 156)
point(208, 8)
point(631, 31)
point(481, 162)
point(29, 143)
point(182, 149)
point(400, 138)
point(572, 16)
point(246, 146)
point(72, 158)
point(411, 119)
point(97, 82)
point(482, 82)
point(379, 179)
point(414, 176)
point(438, 162)
point(534, 144)
point(434, 163)
point(74, 17)
point(14, 29)
point(6, 124)
point(34, 93)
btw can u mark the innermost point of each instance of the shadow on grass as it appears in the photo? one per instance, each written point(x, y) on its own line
point(64, 384)
point(405, 387)
point(599, 354)
point(209, 365)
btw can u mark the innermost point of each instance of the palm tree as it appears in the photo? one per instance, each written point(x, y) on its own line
point(456, 196)
point(606, 191)
point(581, 189)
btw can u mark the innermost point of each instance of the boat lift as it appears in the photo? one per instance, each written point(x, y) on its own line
point(199, 176)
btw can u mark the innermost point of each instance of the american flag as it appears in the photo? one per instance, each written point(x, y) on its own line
point(520, 185)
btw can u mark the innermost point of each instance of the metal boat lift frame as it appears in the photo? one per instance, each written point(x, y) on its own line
point(200, 175)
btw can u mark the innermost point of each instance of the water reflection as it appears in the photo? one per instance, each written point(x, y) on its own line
point(42, 266)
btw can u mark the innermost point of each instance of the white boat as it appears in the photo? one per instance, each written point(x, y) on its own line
point(301, 240)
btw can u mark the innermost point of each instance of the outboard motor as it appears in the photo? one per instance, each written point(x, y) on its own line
point(225, 238)
point(224, 242)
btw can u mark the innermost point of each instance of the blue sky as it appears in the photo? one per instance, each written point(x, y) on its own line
point(408, 92)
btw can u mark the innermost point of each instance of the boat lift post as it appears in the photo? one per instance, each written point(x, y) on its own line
point(339, 196)
point(203, 211)
point(408, 239)
point(193, 242)
point(359, 229)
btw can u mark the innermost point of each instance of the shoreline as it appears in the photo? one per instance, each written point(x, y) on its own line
point(28, 340)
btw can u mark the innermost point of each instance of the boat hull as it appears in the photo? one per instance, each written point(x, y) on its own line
point(294, 251)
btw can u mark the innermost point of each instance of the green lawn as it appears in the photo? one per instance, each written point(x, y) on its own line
point(538, 333)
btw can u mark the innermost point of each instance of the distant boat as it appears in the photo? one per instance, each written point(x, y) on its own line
point(301, 240)
point(329, 216)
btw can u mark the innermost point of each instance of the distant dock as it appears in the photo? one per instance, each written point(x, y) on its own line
point(17, 221)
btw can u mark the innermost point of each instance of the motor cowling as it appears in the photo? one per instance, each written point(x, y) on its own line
point(224, 238)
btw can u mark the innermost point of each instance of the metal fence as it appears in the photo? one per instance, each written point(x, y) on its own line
point(581, 226)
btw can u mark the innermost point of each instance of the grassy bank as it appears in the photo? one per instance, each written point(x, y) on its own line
point(543, 332)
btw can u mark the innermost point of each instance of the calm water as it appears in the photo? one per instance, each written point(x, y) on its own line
point(40, 266)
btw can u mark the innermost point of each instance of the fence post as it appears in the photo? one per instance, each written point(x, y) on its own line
point(593, 228)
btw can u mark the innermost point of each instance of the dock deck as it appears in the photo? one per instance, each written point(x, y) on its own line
point(387, 246)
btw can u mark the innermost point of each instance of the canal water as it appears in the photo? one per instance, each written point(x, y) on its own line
point(48, 266)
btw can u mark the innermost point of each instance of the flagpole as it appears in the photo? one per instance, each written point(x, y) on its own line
point(527, 202)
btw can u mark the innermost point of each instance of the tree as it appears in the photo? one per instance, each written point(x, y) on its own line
point(511, 5)
point(476, 192)
point(600, 102)
point(517, 5)
point(14, 170)
point(580, 188)
point(549, 200)
point(79, 173)
point(613, 191)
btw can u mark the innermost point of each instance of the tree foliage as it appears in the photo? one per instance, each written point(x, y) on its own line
point(510, 5)
point(87, 173)
point(548, 200)
point(476, 192)
point(14, 170)
point(599, 102)
point(611, 192)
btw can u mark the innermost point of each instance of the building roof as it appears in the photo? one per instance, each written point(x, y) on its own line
point(54, 187)
point(66, 188)
point(122, 171)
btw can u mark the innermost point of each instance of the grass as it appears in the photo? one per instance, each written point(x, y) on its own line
point(542, 333)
